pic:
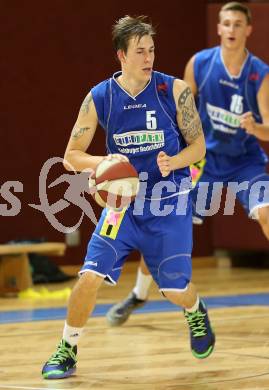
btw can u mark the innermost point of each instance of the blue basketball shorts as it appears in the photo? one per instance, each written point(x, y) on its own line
point(165, 242)
point(248, 183)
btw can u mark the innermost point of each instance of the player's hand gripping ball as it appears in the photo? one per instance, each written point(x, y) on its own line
point(116, 183)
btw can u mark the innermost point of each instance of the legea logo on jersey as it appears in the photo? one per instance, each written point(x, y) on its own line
point(228, 84)
point(131, 106)
point(223, 120)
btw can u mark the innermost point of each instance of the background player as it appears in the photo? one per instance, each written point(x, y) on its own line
point(232, 90)
point(155, 122)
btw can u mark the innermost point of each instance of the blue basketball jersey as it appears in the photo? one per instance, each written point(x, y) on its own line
point(140, 127)
point(223, 98)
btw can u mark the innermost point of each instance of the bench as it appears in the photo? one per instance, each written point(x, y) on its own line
point(15, 272)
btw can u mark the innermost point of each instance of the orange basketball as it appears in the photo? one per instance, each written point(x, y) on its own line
point(116, 182)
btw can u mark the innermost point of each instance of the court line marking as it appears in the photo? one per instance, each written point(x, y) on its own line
point(29, 388)
point(220, 381)
point(128, 326)
point(169, 385)
point(55, 313)
point(243, 355)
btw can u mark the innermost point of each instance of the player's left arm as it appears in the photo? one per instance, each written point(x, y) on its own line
point(260, 130)
point(191, 128)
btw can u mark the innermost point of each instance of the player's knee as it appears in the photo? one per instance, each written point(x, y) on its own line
point(175, 297)
point(90, 281)
point(175, 273)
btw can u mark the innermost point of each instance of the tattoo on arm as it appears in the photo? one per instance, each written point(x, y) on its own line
point(78, 132)
point(189, 122)
point(86, 104)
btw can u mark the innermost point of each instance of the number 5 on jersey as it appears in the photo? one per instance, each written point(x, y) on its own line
point(151, 120)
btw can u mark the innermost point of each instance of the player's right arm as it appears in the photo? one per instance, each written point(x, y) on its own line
point(189, 75)
point(75, 157)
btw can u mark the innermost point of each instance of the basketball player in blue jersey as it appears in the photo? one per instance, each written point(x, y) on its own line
point(232, 90)
point(151, 120)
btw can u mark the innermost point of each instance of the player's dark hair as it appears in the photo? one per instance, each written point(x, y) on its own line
point(236, 6)
point(128, 27)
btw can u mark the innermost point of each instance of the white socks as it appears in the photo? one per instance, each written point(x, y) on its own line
point(71, 334)
point(142, 286)
point(194, 307)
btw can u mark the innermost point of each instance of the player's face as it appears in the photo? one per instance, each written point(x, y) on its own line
point(138, 61)
point(233, 29)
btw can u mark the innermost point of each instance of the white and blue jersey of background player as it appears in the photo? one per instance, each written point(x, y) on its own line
point(140, 127)
point(232, 154)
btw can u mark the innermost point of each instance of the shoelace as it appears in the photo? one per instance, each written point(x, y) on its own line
point(61, 354)
point(197, 323)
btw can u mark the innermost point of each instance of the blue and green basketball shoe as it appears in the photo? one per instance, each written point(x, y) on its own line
point(62, 363)
point(201, 333)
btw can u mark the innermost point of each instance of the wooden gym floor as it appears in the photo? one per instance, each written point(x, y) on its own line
point(151, 351)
